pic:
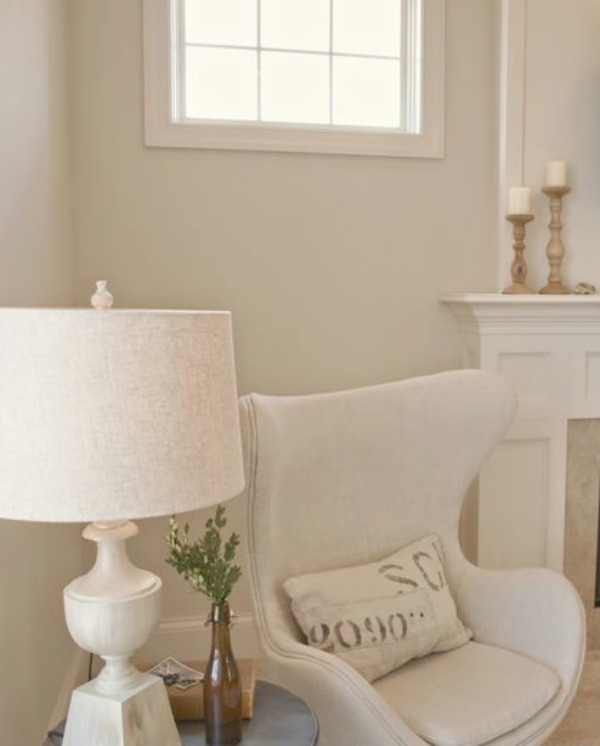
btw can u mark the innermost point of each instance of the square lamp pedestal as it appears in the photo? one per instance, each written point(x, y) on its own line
point(140, 717)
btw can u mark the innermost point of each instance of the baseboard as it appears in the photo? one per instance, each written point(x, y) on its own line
point(189, 637)
point(185, 638)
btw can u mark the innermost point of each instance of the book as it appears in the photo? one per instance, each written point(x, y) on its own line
point(186, 699)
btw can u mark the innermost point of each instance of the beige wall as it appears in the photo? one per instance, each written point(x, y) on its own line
point(562, 122)
point(36, 267)
point(35, 254)
point(332, 265)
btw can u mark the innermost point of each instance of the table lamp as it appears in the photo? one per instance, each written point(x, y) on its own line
point(108, 415)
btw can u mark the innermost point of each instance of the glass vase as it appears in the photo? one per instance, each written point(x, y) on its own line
point(222, 683)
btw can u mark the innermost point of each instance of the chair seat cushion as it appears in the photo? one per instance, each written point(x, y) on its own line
point(468, 696)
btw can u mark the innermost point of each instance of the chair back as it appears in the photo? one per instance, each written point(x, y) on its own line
point(345, 478)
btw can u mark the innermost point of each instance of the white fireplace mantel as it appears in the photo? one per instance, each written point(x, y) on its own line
point(548, 347)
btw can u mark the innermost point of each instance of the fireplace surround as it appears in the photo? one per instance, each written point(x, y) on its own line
point(532, 490)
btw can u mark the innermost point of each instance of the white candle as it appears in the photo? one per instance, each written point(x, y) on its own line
point(556, 173)
point(519, 201)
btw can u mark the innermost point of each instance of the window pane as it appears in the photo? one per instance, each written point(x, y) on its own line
point(294, 88)
point(225, 22)
point(221, 84)
point(366, 92)
point(366, 27)
point(295, 24)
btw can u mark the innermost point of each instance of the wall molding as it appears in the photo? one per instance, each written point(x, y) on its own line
point(512, 114)
point(189, 637)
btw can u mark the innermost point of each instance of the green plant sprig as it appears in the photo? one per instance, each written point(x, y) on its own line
point(206, 563)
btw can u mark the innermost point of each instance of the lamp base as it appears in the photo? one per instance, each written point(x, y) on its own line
point(141, 716)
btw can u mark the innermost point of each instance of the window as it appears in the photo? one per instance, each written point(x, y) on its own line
point(338, 76)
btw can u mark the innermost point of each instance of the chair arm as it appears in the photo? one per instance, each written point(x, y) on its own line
point(533, 611)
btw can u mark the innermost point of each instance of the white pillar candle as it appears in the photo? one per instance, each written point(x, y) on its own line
point(556, 173)
point(519, 201)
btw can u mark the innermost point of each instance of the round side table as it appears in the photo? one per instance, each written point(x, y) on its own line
point(279, 718)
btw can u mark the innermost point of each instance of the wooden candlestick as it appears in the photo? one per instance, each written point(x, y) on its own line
point(555, 249)
point(518, 268)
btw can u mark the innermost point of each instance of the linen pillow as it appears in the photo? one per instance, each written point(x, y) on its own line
point(379, 616)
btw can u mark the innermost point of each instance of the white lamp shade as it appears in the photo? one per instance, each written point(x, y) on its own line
point(116, 414)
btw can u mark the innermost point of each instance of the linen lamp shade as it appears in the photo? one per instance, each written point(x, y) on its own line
point(107, 415)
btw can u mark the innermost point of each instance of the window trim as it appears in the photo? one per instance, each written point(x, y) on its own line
point(162, 131)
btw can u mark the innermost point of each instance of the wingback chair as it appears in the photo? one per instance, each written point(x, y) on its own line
point(341, 479)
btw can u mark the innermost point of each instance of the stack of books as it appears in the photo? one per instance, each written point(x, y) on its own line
point(184, 686)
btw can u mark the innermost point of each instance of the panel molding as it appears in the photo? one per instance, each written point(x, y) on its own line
point(548, 347)
point(512, 86)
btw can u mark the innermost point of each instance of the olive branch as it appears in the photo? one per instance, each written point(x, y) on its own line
point(206, 563)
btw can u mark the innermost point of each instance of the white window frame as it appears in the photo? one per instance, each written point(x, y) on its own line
point(163, 130)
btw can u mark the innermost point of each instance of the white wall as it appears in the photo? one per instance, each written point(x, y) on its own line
point(35, 268)
point(332, 265)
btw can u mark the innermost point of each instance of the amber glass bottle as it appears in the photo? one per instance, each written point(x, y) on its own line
point(222, 683)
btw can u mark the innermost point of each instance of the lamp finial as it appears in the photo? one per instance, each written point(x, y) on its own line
point(101, 298)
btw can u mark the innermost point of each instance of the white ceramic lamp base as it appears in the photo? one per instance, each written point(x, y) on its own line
point(142, 717)
point(111, 611)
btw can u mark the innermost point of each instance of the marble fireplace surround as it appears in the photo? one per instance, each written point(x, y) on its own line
point(581, 517)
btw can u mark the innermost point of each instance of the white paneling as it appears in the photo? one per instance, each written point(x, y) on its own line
point(592, 376)
point(532, 376)
point(548, 348)
point(584, 377)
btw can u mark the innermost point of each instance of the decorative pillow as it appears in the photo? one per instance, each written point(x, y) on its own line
point(381, 615)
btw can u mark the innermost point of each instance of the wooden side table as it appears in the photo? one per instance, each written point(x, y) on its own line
point(279, 718)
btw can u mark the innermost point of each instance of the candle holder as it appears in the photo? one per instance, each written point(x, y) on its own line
point(555, 249)
point(518, 268)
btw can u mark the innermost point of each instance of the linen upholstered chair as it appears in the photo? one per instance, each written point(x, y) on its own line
point(345, 480)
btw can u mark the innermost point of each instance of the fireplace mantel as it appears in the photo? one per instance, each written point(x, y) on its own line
point(544, 314)
point(548, 347)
